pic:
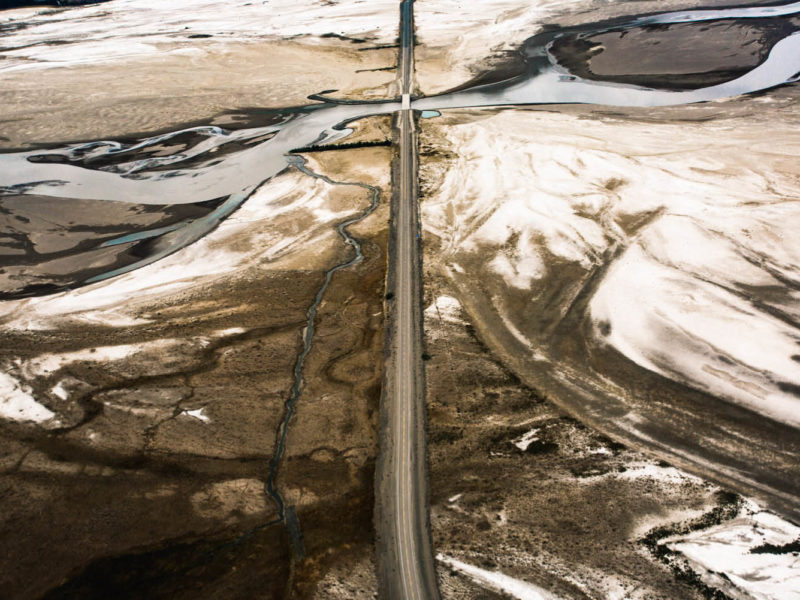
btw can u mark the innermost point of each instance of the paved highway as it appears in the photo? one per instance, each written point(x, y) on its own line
point(406, 567)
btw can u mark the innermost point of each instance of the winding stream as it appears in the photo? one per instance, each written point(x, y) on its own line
point(308, 333)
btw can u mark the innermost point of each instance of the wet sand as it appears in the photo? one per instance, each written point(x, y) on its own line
point(655, 56)
point(51, 245)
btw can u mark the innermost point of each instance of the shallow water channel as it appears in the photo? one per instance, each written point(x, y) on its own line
point(85, 212)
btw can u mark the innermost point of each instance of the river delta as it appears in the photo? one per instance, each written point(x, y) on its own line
point(196, 232)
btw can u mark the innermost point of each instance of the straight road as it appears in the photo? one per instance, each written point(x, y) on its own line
point(406, 567)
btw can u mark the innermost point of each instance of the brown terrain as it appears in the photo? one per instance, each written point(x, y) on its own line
point(519, 487)
point(150, 481)
point(151, 478)
point(571, 512)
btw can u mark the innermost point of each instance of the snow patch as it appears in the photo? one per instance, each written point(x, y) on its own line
point(229, 332)
point(199, 414)
point(669, 475)
point(603, 451)
point(728, 549)
point(695, 331)
point(447, 308)
point(59, 391)
point(45, 364)
point(498, 581)
point(526, 440)
point(17, 402)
